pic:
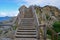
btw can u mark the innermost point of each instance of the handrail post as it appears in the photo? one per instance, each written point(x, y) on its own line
point(56, 36)
point(45, 32)
point(38, 32)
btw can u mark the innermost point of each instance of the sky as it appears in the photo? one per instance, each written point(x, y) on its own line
point(10, 7)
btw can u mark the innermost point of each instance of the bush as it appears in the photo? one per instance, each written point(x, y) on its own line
point(47, 16)
point(1, 31)
point(56, 26)
point(14, 27)
point(49, 32)
point(59, 37)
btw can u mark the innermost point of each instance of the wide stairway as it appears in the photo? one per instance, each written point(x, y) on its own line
point(27, 29)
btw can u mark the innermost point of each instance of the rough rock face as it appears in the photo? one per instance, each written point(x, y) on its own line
point(54, 11)
point(48, 10)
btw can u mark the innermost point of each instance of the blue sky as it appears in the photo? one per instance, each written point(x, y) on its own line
point(10, 7)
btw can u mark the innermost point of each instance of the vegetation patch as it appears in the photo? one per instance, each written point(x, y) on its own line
point(1, 31)
point(56, 26)
point(14, 27)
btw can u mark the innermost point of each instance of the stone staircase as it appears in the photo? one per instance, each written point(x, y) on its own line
point(27, 30)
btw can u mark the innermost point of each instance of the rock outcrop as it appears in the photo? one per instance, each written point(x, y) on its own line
point(49, 10)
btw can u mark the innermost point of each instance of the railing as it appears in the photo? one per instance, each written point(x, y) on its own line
point(19, 18)
point(18, 22)
point(36, 23)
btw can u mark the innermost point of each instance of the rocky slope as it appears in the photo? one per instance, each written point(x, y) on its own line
point(47, 14)
point(48, 10)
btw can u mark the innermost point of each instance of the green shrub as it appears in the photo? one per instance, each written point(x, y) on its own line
point(59, 37)
point(47, 16)
point(14, 27)
point(0, 31)
point(49, 32)
point(56, 26)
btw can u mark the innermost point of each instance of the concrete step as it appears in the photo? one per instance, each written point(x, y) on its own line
point(27, 19)
point(26, 33)
point(27, 27)
point(25, 39)
point(26, 30)
point(25, 36)
point(29, 24)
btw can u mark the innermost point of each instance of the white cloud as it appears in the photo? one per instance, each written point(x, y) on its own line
point(11, 13)
point(39, 2)
point(2, 14)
